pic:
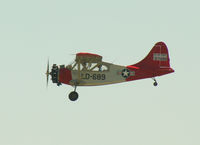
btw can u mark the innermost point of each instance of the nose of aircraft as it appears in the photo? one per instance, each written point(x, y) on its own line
point(54, 74)
point(59, 74)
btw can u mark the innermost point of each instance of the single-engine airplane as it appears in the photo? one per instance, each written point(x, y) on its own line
point(89, 70)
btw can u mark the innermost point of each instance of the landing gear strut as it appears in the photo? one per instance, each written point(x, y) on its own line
point(73, 96)
point(155, 82)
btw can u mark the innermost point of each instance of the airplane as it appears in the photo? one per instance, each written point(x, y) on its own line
point(88, 69)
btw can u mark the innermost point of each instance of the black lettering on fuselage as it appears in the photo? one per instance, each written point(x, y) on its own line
point(87, 76)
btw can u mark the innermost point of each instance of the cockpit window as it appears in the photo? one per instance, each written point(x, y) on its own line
point(88, 67)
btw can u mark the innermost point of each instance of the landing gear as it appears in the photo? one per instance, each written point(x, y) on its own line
point(73, 96)
point(155, 82)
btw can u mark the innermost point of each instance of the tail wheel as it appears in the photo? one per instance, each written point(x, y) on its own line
point(73, 96)
point(155, 84)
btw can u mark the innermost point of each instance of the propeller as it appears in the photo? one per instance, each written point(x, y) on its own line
point(47, 73)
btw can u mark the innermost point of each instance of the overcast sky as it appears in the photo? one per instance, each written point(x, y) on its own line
point(123, 32)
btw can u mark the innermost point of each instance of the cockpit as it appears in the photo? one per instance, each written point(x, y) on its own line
point(88, 62)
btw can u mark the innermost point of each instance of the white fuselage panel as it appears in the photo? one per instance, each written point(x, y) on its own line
point(94, 78)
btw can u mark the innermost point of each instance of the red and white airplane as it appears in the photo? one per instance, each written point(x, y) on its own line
point(89, 70)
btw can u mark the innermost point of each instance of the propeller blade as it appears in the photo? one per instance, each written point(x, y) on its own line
point(47, 73)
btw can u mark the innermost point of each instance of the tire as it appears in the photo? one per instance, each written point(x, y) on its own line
point(155, 84)
point(73, 96)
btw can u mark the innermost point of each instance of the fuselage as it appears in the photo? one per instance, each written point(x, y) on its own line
point(113, 74)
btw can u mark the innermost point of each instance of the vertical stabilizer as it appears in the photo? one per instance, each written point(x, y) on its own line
point(158, 57)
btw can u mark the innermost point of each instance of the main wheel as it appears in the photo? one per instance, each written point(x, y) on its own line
point(155, 84)
point(73, 96)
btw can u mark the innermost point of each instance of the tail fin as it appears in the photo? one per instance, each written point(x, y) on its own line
point(158, 57)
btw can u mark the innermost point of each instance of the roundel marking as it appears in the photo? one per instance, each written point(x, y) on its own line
point(125, 73)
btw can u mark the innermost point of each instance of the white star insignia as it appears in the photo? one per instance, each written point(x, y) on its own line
point(125, 73)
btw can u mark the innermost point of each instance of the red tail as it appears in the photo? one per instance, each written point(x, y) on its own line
point(158, 57)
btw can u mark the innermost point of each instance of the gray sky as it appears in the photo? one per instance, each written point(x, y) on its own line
point(123, 32)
